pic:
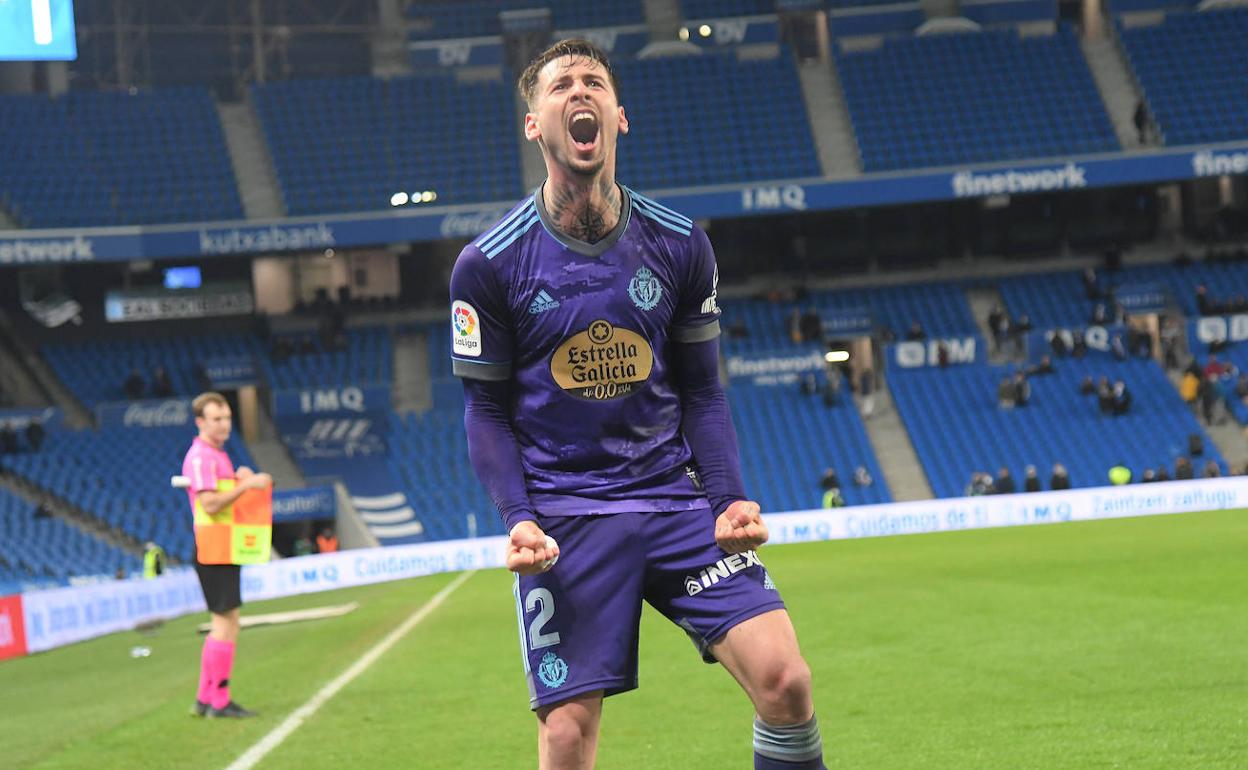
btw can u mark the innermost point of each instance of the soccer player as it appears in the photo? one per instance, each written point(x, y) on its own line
point(215, 485)
point(584, 327)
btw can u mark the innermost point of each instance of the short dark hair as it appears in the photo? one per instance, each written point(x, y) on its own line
point(204, 399)
point(574, 47)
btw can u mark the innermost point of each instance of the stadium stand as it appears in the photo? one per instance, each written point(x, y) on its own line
point(367, 359)
point(749, 111)
point(95, 372)
point(115, 159)
point(958, 428)
point(429, 454)
point(972, 97)
point(940, 307)
point(719, 9)
point(787, 440)
point(479, 18)
point(349, 144)
point(121, 477)
point(1191, 69)
point(34, 548)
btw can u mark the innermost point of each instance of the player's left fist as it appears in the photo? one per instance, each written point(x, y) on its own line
point(740, 527)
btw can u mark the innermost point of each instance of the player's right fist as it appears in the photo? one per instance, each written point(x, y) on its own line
point(529, 551)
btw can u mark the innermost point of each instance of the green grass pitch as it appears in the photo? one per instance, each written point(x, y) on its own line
point(1114, 644)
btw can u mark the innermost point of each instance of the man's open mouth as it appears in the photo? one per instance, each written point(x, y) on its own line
point(583, 128)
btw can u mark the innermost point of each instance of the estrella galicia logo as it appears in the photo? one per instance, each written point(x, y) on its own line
point(553, 671)
point(644, 289)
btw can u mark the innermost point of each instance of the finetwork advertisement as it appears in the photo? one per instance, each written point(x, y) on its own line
point(463, 222)
point(776, 367)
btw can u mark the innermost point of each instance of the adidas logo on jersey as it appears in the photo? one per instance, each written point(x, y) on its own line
point(724, 568)
point(542, 302)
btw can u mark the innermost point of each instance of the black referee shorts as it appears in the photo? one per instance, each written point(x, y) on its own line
point(222, 584)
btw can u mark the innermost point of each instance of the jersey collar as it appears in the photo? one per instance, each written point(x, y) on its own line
point(581, 247)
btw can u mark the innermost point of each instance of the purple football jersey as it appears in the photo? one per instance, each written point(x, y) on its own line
point(585, 334)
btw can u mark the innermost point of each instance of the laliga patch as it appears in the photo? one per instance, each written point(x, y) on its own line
point(465, 330)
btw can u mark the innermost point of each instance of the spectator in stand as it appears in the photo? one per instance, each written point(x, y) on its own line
point(1060, 479)
point(1005, 394)
point(1119, 475)
point(981, 484)
point(1208, 396)
point(809, 385)
point(306, 345)
point(8, 439)
point(829, 479)
point(1241, 388)
point(998, 324)
point(327, 541)
point(1057, 343)
point(1183, 468)
point(1214, 368)
point(1195, 444)
point(1204, 305)
point(916, 332)
point(1211, 471)
point(1044, 367)
point(942, 355)
point(1149, 476)
point(1086, 386)
point(862, 478)
point(793, 325)
point(1091, 287)
point(1104, 396)
point(1122, 398)
point(1170, 339)
point(1163, 474)
point(811, 326)
point(866, 389)
point(1078, 345)
point(1100, 314)
point(162, 386)
point(35, 434)
point(134, 385)
point(1022, 389)
point(1119, 350)
point(1140, 119)
point(1189, 388)
point(1031, 479)
point(1005, 482)
point(282, 350)
point(737, 330)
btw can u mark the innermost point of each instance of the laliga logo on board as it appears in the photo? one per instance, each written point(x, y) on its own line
point(163, 415)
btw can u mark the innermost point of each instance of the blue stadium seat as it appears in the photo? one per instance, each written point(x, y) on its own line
point(689, 113)
point(49, 548)
point(1191, 68)
point(121, 476)
point(349, 144)
point(957, 428)
point(368, 359)
point(96, 371)
point(115, 159)
point(479, 18)
point(973, 97)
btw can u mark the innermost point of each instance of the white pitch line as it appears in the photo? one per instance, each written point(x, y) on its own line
point(253, 755)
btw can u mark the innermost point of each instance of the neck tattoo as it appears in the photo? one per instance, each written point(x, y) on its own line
point(581, 214)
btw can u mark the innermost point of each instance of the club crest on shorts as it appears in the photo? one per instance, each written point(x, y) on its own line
point(553, 671)
point(644, 289)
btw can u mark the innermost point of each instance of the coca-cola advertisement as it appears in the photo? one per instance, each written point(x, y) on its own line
point(151, 413)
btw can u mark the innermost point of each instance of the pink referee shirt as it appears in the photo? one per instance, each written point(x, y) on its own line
point(204, 466)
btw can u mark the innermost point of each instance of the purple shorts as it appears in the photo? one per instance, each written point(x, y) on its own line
point(579, 621)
